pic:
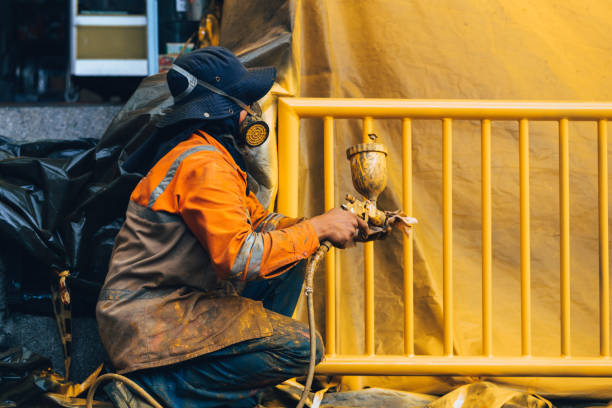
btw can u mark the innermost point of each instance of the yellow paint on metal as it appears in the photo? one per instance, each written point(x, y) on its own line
point(290, 113)
point(487, 247)
point(368, 260)
point(565, 237)
point(456, 109)
point(467, 365)
point(447, 233)
point(525, 238)
point(330, 260)
point(604, 268)
point(288, 148)
point(408, 240)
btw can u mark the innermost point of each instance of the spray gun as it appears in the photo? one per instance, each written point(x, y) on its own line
point(369, 174)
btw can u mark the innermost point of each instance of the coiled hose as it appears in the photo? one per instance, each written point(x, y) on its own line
point(311, 266)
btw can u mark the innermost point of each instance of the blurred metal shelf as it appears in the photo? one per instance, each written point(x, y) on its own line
point(111, 67)
point(110, 20)
point(113, 44)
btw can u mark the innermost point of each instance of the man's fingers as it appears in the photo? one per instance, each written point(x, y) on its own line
point(363, 226)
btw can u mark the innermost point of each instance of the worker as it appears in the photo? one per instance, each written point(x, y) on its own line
point(202, 279)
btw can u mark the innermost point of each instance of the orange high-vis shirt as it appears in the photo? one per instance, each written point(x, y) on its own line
point(200, 181)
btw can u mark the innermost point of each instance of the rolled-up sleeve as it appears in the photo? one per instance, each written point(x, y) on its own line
point(235, 230)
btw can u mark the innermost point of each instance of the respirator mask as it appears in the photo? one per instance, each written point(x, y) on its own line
point(254, 131)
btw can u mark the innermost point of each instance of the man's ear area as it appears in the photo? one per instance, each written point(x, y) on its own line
point(243, 114)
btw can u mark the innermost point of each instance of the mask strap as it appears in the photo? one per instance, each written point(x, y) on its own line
point(193, 81)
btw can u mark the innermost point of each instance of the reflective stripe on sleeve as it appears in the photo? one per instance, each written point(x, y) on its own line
point(269, 223)
point(250, 252)
point(161, 187)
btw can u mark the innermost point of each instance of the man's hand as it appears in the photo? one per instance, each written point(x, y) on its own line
point(339, 227)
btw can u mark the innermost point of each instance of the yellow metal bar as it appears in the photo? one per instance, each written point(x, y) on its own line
point(290, 112)
point(565, 238)
point(447, 237)
point(288, 145)
point(467, 366)
point(368, 126)
point(368, 261)
point(330, 261)
point(487, 305)
point(525, 238)
point(457, 109)
point(408, 241)
point(604, 271)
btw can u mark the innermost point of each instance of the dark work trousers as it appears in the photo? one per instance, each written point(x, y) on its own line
point(234, 376)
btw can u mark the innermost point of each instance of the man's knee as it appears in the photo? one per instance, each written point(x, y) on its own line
point(303, 348)
point(320, 348)
point(292, 341)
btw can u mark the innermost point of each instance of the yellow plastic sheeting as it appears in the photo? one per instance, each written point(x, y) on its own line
point(486, 394)
point(260, 34)
point(476, 395)
point(475, 49)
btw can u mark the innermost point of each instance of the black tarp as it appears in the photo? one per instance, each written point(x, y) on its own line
point(24, 375)
point(63, 201)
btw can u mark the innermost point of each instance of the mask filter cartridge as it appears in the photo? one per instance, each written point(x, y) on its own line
point(253, 129)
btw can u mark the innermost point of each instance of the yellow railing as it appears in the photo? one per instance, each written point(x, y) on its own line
point(291, 110)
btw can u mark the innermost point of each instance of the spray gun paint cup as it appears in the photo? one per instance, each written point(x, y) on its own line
point(369, 173)
point(368, 168)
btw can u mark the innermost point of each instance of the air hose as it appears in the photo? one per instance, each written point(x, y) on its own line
point(138, 389)
point(311, 267)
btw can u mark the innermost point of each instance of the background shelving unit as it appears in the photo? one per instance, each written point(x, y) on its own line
point(112, 44)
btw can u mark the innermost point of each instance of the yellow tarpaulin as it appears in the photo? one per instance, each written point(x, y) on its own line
point(452, 49)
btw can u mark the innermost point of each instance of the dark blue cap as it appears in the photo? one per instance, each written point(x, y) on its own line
point(220, 68)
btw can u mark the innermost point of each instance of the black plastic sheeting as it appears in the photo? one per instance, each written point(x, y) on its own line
point(63, 202)
point(23, 377)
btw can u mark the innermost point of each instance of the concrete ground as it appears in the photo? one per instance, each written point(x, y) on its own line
point(70, 121)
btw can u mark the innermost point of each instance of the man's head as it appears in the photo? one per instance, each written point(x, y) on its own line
point(212, 84)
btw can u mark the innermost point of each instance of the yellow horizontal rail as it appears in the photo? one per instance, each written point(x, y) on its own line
point(454, 109)
point(458, 365)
